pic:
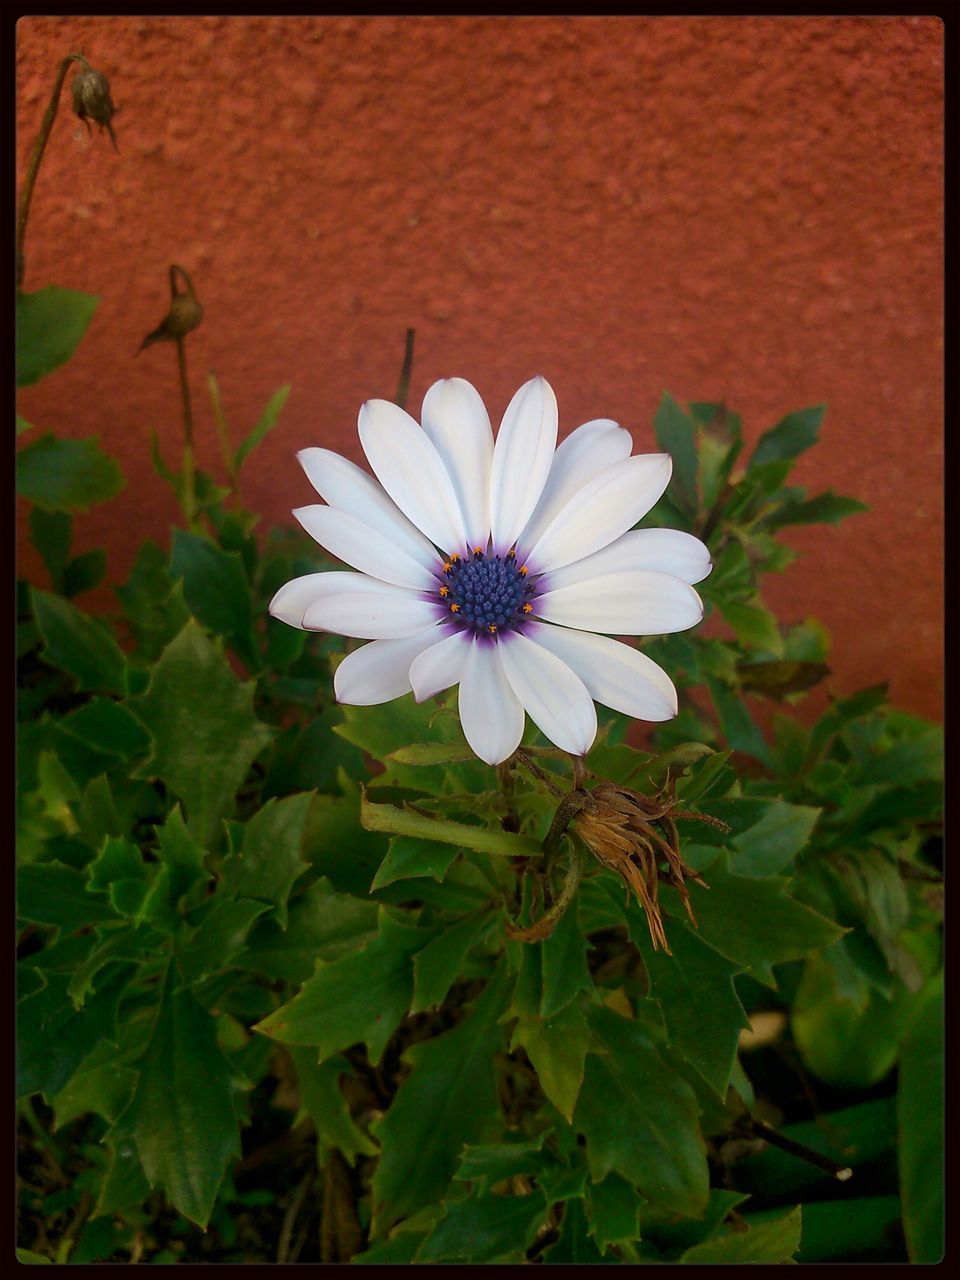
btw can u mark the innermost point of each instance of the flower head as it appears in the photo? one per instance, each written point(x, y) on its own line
point(493, 565)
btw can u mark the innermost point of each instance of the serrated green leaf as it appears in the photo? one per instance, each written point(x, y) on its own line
point(439, 963)
point(792, 435)
point(753, 922)
point(51, 893)
point(486, 1228)
point(124, 1185)
point(66, 475)
point(557, 1046)
point(217, 590)
point(219, 936)
point(84, 572)
point(321, 1098)
point(360, 997)
point(50, 325)
point(182, 1116)
point(448, 1100)
point(322, 924)
point(107, 726)
point(153, 603)
point(755, 626)
point(576, 1246)
point(54, 1037)
point(52, 533)
point(204, 730)
point(639, 1118)
point(268, 420)
point(75, 643)
point(775, 1241)
point(564, 964)
point(101, 1084)
point(270, 859)
point(770, 845)
point(736, 723)
point(825, 508)
point(614, 1210)
point(676, 435)
point(496, 1162)
point(694, 989)
point(407, 858)
point(429, 753)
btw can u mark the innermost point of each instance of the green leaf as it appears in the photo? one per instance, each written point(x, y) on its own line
point(564, 964)
point(152, 601)
point(54, 1037)
point(52, 533)
point(321, 1098)
point(694, 989)
point(755, 626)
point(614, 1210)
point(182, 1115)
point(84, 572)
point(205, 734)
point(557, 1046)
point(496, 1162)
point(825, 508)
point(107, 726)
point(430, 753)
point(775, 1241)
point(219, 936)
point(360, 997)
point(28, 1257)
point(66, 475)
point(216, 588)
point(864, 1230)
point(639, 1118)
point(117, 860)
point(408, 858)
point(406, 822)
point(77, 644)
point(576, 1246)
point(771, 844)
point(486, 1228)
point(738, 728)
point(791, 436)
point(268, 420)
point(50, 324)
point(448, 1099)
point(920, 1125)
point(124, 1185)
point(180, 856)
point(676, 436)
point(270, 859)
point(753, 922)
point(322, 924)
point(440, 962)
point(51, 893)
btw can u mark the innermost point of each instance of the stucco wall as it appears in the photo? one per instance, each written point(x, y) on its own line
point(739, 208)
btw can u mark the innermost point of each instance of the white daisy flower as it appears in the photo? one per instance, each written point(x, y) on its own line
point(493, 566)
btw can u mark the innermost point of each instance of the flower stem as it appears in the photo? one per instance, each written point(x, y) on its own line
point(189, 479)
point(223, 432)
point(36, 156)
point(842, 1173)
point(403, 386)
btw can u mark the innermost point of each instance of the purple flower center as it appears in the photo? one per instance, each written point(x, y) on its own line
point(487, 594)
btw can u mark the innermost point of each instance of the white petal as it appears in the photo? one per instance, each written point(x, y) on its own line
point(584, 454)
point(295, 597)
point(554, 697)
point(378, 672)
point(365, 548)
point(351, 604)
point(455, 419)
point(630, 602)
point(347, 487)
point(521, 460)
point(606, 506)
point(663, 550)
point(490, 712)
point(615, 674)
point(440, 666)
point(408, 466)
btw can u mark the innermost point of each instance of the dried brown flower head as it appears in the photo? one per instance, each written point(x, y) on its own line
point(92, 101)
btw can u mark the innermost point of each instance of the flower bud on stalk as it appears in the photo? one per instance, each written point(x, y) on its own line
point(92, 101)
point(184, 316)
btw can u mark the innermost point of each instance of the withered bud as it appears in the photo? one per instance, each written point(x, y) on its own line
point(635, 836)
point(184, 316)
point(92, 101)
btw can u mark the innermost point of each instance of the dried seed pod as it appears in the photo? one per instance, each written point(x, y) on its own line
point(92, 101)
point(184, 316)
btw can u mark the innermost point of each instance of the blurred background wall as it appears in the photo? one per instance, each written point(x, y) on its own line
point(747, 209)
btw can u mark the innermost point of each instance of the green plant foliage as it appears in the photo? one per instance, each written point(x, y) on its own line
point(295, 972)
point(50, 325)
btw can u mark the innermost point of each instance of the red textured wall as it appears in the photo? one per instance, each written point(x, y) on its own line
point(738, 208)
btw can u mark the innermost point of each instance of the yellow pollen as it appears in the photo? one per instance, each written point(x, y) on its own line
point(491, 627)
point(478, 551)
point(528, 608)
point(454, 559)
point(444, 591)
point(522, 571)
point(454, 608)
point(512, 553)
point(447, 567)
